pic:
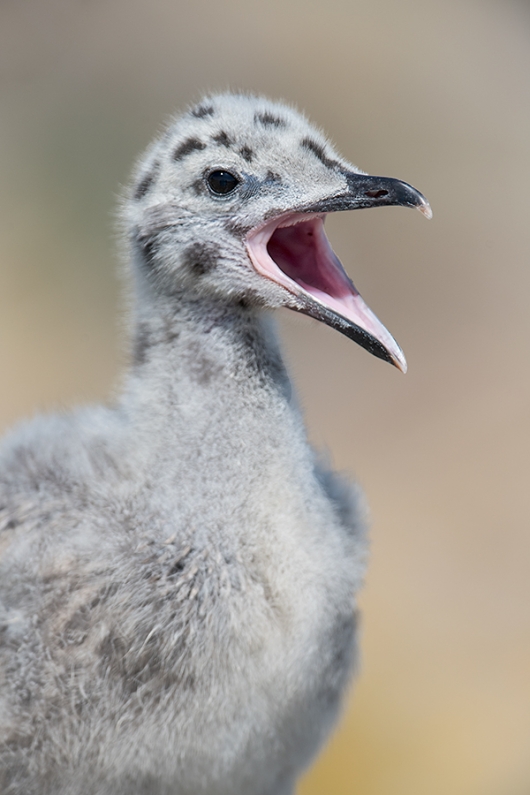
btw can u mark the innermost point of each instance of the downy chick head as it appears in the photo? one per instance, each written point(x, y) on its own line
point(230, 203)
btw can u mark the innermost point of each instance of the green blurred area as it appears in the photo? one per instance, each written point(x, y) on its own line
point(436, 94)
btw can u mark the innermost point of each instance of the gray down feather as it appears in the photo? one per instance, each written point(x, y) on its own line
point(177, 570)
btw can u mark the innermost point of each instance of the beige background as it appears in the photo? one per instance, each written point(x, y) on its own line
point(436, 93)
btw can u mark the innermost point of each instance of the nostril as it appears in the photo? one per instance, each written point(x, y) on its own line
point(375, 194)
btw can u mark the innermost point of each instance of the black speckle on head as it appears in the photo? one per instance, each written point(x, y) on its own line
point(318, 151)
point(198, 186)
point(273, 177)
point(246, 153)
point(143, 186)
point(222, 138)
point(187, 146)
point(200, 258)
point(268, 120)
point(147, 181)
point(147, 245)
point(200, 111)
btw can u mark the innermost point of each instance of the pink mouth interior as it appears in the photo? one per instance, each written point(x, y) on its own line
point(294, 252)
point(303, 253)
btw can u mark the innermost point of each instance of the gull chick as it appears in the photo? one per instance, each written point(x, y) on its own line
point(178, 571)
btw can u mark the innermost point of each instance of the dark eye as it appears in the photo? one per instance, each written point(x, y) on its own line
point(222, 182)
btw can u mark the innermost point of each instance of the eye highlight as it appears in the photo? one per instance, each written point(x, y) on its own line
point(222, 182)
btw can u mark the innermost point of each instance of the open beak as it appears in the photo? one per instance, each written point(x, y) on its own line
point(293, 251)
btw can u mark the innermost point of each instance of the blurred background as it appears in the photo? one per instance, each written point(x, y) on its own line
point(438, 95)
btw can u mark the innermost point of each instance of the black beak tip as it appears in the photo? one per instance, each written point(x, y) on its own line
point(372, 191)
point(365, 190)
point(418, 201)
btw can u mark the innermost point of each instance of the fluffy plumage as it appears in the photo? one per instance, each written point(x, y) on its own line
point(177, 571)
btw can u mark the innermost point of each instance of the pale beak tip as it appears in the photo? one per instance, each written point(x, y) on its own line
point(400, 362)
point(425, 209)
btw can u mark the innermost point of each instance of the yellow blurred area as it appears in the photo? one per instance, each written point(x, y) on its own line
point(438, 95)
